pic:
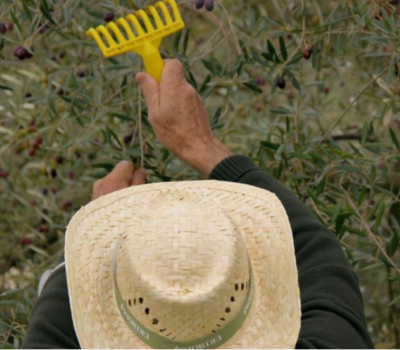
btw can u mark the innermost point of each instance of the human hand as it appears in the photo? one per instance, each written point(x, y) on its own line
point(179, 118)
point(124, 175)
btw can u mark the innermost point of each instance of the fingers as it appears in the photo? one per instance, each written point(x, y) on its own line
point(122, 176)
point(150, 89)
point(173, 73)
point(139, 177)
point(122, 173)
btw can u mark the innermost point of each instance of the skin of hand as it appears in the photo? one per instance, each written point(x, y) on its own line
point(123, 176)
point(179, 119)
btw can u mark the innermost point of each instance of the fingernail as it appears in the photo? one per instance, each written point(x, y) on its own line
point(142, 79)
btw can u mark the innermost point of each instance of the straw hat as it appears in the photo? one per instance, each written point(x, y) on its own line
point(195, 265)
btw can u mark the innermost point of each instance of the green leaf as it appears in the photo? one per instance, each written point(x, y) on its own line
point(348, 168)
point(390, 72)
point(2, 87)
point(217, 115)
point(270, 145)
point(312, 194)
point(364, 133)
point(385, 261)
point(394, 138)
point(185, 41)
point(268, 56)
point(295, 82)
point(283, 48)
point(379, 216)
point(177, 41)
point(362, 195)
point(297, 57)
point(253, 87)
point(27, 11)
point(204, 86)
point(373, 211)
point(192, 80)
point(115, 137)
point(16, 22)
point(46, 12)
point(395, 301)
point(394, 244)
point(107, 166)
point(210, 66)
point(122, 117)
point(271, 48)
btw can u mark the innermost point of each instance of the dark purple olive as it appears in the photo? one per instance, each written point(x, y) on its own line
point(4, 174)
point(108, 17)
point(281, 83)
point(20, 52)
point(260, 81)
point(3, 28)
point(43, 29)
point(210, 5)
point(81, 73)
point(307, 54)
point(128, 139)
point(59, 159)
point(199, 4)
point(28, 95)
point(53, 173)
point(29, 53)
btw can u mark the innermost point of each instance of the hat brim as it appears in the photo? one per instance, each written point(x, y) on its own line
point(274, 319)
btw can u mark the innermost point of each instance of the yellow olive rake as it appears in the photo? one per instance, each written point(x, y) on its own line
point(146, 41)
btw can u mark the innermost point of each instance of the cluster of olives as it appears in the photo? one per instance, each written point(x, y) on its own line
point(209, 4)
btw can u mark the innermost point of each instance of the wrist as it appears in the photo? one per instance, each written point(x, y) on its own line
point(206, 155)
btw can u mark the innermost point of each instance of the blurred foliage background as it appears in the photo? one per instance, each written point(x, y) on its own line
point(308, 89)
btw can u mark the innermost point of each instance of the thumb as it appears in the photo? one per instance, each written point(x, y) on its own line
point(150, 89)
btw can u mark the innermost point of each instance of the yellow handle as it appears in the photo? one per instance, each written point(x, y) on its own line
point(154, 64)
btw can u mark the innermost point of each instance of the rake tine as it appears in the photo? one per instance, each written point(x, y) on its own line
point(175, 9)
point(146, 20)
point(122, 22)
point(167, 16)
point(156, 16)
point(136, 24)
point(117, 32)
point(96, 36)
point(103, 30)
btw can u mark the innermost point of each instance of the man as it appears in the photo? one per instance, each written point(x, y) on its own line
point(331, 303)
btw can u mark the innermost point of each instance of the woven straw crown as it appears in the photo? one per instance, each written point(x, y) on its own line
point(181, 273)
point(185, 255)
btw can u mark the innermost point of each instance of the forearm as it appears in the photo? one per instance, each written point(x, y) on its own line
point(205, 155)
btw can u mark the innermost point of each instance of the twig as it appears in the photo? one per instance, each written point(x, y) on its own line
point(349, 107)
point(119, 91)
point(371, 234)
point(238, 49)
point(210, 50)
point(140, 119)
